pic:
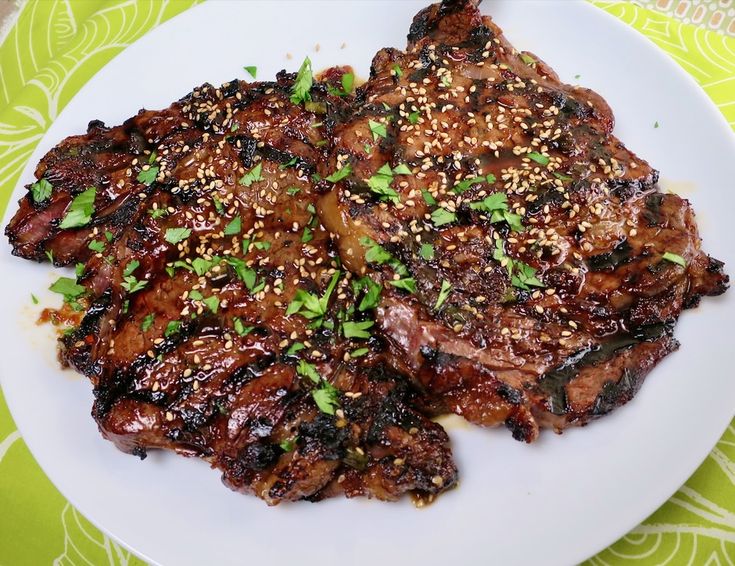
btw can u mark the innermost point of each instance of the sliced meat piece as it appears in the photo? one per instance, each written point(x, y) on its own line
point(515, 236)
point(221, 325)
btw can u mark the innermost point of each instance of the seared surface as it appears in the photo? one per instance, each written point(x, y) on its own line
point(546, 232)
point(198, 351)
point(289, 288)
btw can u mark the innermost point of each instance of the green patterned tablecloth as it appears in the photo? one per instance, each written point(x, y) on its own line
point(55, 46)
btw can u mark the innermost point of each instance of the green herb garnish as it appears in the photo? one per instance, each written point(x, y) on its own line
point(357, 329)
point(378, 129)
point(147, 322)
point(81, 209)
point(147, 176)
point(301, 89)
point(538, 158)
point(675, 258)
point(442, 216)
point(176, 235)
point(444, 293)
point(41, 190)
point(426, 251)
point(96, 246)
point(340, 174)
point(234, 226)
point(252, 176)
point(172, 328)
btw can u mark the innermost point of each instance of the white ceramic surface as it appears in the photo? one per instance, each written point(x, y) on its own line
point(555, 502)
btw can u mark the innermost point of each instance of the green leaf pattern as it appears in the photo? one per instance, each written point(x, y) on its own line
point(52, 50)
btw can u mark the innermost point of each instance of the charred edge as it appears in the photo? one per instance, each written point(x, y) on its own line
point(625, 189)
point(121, 380)
point(76, 345)
point(608, 261)
point(555, 381)
point(427, 20)
point(283, 157)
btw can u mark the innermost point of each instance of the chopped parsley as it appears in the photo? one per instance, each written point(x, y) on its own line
point(372, 292)
point(195, 295)
point(538, 158)
point(357, 329)
point(380, 184)
point(528, 60)
point(234, 227)
point(212, 303)
point(288, 444)
point(427, 251)
point(675, 258)
point(131, 283)
point(340, 174)
point(407, 284)
point(442, 216)
point(96, 246)
point(497, 205)
point(240, 327)
point(428, 197)
point(147, 322)
point(348, 83)
point(301, 89)
point(375, 253)
point(402, 169)
point(81, 209)
point(50, 255)
point(34, 299)
point(147, 176)
point(252, 70)
point(562, 177)
point(109, 236)
point(378, 129)
point(397, 71)
point(176, 235)
point(252, 176)
point(413, 117)
point(201, 265)
point(524, 276)
point(41, 190)
point(246, 274)
point(444, 293)
point(307, 236)
point(307, 369)
point(310, 306)
point(79, 270)
point(173, 327)
point(156, 213)
point(68, 287)
point(295, 348)
point(291, 191)
point(655, 125)
point(290, 163)
point(326, 397)
point(359, 352)
point(465, 184)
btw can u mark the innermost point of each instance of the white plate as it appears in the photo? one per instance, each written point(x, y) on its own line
point(555, 502)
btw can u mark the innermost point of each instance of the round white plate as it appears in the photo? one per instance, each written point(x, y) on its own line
point(555, 502)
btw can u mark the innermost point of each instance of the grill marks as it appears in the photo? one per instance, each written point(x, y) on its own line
point(200, 359)
point(474, 119)
point(522, 266)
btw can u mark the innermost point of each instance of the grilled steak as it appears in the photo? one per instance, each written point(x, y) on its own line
point(287, 281)
point(532, 269)
point(220, 323)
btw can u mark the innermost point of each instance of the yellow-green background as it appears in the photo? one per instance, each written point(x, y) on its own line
point(56, 46)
